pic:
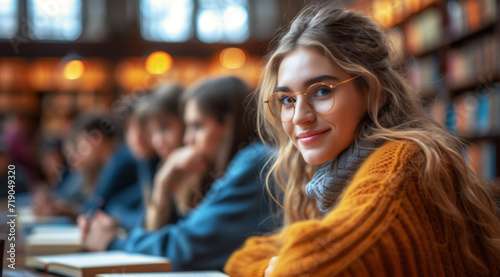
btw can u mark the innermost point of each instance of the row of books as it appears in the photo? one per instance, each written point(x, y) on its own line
point(466, 16)
point(482, 158)
point(424, 31)
point(447, 64)
point(475, 116)
point(473, 60)
point(424, 73)
point(477, 113)
point(429, 29)
point(473, 113)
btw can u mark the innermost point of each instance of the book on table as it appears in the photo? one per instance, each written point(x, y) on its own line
point(90, 264)
point(53, 239)
point(168, 274)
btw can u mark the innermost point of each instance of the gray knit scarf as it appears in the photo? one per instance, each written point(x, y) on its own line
point(332, 176)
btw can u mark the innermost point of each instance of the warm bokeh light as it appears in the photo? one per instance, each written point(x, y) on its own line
point(414, 5)
point(233, 58)
point(383, 12)
point(73, 70)
point(42, 74)
point(158, 62)
point(130, 73)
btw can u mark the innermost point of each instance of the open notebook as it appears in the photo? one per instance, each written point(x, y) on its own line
point(53, 239)
point(168, 274)
point(90, 264)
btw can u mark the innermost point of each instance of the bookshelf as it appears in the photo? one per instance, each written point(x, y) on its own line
point(451, 52)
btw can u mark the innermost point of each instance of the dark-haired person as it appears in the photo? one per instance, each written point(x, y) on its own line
point(138, 139)
point(99, 154)
point(64, 194)
point(154, 125)
point(373, 186)
point(208, 196)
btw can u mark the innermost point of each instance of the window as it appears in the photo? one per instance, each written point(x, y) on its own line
point(8, 18)
point(55, 19)
point(222, 21)
point(166, 20)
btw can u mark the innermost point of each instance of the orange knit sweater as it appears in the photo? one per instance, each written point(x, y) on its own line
point(381, 227)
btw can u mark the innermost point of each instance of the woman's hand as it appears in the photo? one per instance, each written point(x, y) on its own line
point(186, 160)
point(270, 267)
point(44, 204)
point(97, 233)
point(182, 162)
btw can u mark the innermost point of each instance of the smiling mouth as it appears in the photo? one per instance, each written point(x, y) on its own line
point(311, 138)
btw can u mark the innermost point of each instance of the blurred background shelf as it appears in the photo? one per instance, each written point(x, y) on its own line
point(477, 84)
point(450, 50)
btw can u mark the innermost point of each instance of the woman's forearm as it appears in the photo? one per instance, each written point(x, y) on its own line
point(159, 210)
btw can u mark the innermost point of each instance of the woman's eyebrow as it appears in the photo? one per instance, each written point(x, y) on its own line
point(319, 79)
point(308, 83)
point(283, 89)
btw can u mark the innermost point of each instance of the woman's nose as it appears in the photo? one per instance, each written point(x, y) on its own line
point(303, 112)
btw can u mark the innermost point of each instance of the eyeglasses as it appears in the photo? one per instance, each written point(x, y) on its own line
point(319, 96)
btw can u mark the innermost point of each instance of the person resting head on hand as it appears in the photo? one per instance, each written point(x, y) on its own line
point(208, 195)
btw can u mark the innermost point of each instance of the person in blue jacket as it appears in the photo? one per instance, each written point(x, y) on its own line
point(155, 117)
point(208, 197)
point(98, 150)
point(64, 193)
point(138, 138)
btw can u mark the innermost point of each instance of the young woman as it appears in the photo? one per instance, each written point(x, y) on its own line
point(158, 117)
point(138, 139)
point(209, 196)
point(373, 186)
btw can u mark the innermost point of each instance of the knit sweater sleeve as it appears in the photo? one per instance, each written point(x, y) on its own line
point(253, 258)
point(352, 239)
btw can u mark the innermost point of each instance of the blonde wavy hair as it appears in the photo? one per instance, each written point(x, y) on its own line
point(357, 45)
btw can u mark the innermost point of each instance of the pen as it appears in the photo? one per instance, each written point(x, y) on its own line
point(98, 204)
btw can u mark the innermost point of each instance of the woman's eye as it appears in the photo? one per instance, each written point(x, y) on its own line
point(322, 91)
point(286, 100)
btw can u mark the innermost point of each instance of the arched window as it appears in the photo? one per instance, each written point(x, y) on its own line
point(222, 21)
point(55, 19)
point(8, 18)
point(166, 20)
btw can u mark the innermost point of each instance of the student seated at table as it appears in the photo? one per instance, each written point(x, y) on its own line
point(154, 117)
point(374, 186)
point(98, 150)
point(71, 191)
point(208, 195)
point(138, 139)
point(64, 193)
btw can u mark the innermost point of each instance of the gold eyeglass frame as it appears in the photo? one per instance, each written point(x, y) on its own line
point(268, 100)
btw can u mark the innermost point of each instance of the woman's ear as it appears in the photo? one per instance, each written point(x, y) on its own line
point(382, 99)
point(374, 105)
